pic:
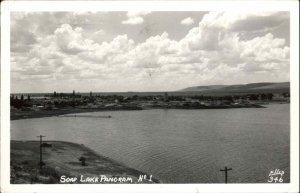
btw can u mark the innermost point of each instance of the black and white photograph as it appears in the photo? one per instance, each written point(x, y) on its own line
point(150, 97)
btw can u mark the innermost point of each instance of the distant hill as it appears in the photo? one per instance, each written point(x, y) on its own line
point(264, 87)
point(203, 88)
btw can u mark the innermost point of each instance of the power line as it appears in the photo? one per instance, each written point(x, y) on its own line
point(225, 170)
point(41, 152)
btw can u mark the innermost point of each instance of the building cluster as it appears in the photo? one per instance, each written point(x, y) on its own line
point(163, 100)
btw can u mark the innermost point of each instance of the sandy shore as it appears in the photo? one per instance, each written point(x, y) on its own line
point(62, 165)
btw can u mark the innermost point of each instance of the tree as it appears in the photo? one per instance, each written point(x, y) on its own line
point(263, 97)
point(82, 159)
point(270, 96)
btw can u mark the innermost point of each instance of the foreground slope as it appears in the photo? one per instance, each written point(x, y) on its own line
point(62, 161)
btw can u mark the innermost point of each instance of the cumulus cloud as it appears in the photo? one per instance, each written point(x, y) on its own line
point(70, 40)
point(211, 52)
point(135, 18)
point(98, 36)
point(187, 21)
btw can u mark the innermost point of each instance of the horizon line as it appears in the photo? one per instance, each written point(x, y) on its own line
point(179, 90)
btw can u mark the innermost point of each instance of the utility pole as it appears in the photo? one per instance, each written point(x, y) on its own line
point(225, 170)
point(41, 153)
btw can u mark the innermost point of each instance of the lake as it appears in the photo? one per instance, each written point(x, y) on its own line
point(180, 146)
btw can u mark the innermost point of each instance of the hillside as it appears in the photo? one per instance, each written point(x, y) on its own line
point(265, 87)
point(62, 161)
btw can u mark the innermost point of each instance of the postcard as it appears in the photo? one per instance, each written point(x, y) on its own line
point(149, 96)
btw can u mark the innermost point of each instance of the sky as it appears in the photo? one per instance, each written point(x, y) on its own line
point(146, 51)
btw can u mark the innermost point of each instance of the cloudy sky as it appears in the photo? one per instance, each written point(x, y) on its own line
point(146, 51)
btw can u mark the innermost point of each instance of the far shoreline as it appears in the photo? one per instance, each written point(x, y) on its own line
point(56, 112)
point(17, 115)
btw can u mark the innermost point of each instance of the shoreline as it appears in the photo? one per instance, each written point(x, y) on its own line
point(56, 112)
point(63, 165)
point(17, 115)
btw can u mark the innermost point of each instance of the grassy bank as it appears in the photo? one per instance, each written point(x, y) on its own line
point(62, 162)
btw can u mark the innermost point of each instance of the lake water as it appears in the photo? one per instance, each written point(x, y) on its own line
point(180, 146)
